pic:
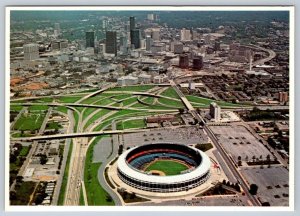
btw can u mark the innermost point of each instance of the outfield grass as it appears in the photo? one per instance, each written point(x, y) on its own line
point(170, 92)
point(29, 122)
point(63, 187)
point(168, 167)
point(96, 195)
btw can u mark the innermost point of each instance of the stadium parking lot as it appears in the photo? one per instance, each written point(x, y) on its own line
point(238, 141)
point(188, 135)
point(235, 200)
point(273, 183)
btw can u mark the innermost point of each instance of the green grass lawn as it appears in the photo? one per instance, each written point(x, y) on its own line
point(96, 195)
point(53, 126)
point(92, 99)
point(88, 111)
point(29, 122)
point(81, 199)
point(96, 116)
point(149, 100)
point(38, 108)
point(24, 151)
point(206, 102)
point(129, 101)
point(169, 102)
point(17, 108)
point(170, 92)
point(45, 99)
point(122, 96)
point(61, 109)
point(135, 123)
point(168, 167)
point(138, 88)
point(65, 177)
point(68, 99)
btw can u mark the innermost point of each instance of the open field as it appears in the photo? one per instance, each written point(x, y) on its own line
point(135, 123)
point(169, 167)
point(29, 121)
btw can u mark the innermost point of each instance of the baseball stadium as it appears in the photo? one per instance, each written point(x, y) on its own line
point(163, 167)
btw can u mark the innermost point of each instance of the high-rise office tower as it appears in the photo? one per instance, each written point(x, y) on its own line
point(185, 35)
point(31, 51)
point(215, 111)
point(198, 62)
point(217, 46)
point(132, 23)
point(149, 42)
point(56, 29)
point(111, 42)
point(90, 38)
point(183, 61)
point(136, 38)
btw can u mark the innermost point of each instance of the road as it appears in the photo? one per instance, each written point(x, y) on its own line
point(213, 138)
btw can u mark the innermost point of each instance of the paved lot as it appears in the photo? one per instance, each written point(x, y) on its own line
point(204, 201)
point(190, 135)
point(102, 150)
point(273, 183)
point(238, 141)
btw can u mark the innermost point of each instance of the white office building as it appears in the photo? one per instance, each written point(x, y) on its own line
point(215, 111)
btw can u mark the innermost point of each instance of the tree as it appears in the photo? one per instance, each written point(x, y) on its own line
point(43, 159)
point(12, 195)
point(12, 158)
point(181, 110)
point(19, 179)
point(253, 189)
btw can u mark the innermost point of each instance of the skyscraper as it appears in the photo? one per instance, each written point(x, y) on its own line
point(215, 111)
point(56, 29)
point(149, 42)
point(183, 61)
point(198, 62)
point(132, 23)
point(31, 51)
point(90, 39)
point(185, 35)
point(135, 38)
point(111, 42)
